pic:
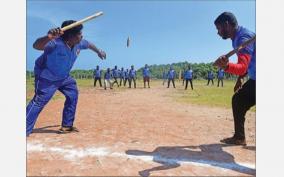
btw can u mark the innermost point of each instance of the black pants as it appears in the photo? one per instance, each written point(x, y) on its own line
point(211, 81)
point(242, 101)
point(130, 81)
point(186, 83)
point(97, 79)
point(221, 79)
point(125, 80)
point(173, 81)
point(122, 80)
point(115, 81)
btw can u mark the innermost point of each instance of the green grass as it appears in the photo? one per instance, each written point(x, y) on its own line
point(207, 95)
point(201, 95)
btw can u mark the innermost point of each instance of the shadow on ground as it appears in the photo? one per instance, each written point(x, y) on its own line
point(208, 154)
point(46, 129)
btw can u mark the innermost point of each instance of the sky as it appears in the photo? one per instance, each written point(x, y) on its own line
point(161, 32)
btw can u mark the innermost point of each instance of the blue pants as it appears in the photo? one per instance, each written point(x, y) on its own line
point(44, 90)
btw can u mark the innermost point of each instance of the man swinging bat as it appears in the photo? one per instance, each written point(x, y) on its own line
point(52, 72)
point(245, 94)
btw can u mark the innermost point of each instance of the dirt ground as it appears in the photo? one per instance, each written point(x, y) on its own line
point(138, 132)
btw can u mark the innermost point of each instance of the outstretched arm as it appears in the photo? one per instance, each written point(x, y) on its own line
point(100, 53)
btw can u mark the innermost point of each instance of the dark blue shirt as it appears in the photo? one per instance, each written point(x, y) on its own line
point(115, 73)
point(126, 74)
point(188, 74)
point(57, 59)
point(132, 73)
point(146, 72)
point(171, 74)
point(220, 74)
point(97, 73)
point(108, 75)
point(210, 75)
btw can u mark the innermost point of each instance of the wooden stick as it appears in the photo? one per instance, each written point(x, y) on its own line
point(81, 21)
point(232, 52)
point(241, 46)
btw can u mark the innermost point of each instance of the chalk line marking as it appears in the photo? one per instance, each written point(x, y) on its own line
point(73, 154)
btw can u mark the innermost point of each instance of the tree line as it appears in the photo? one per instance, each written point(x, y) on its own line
point(200, 71)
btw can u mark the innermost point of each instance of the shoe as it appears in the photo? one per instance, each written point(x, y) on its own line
point(234, 141)
point(63, 130)
point(144, 173)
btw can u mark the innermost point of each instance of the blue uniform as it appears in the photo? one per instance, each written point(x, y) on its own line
point(121, 74)
point(188, 77)
point(97, 73)
point(132, 77)
point(126, 74)
point(52, 70)
point(171, 74)
point(220, 74)
point(210, 75)
point(188, 74)
point(108, 75)
point(171, 77)
point(146, 72)
point(57, 59)
point(97, 77)
point(243, 35)
point(132, 73)
point(115, 73)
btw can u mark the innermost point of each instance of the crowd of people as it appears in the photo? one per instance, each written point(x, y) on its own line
point(121, 77)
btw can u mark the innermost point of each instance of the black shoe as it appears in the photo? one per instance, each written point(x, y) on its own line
point(64, 130)
point(235, 141)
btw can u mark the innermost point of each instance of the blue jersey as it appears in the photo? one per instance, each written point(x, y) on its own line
point(210, 75)
point(188, 74)
point(108, 75)
point(97, 73)
point(146, 72)
point(115, 73)
point(243, 35)
point(126, 74)
point(220, 74)
point(57, 59)
point(121, 73)
point(132, 73)
point(171, 74)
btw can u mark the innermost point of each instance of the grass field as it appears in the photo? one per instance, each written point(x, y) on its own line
point(201, 95)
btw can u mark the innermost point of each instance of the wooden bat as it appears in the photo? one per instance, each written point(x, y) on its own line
point(246, 43)
point(81, 21)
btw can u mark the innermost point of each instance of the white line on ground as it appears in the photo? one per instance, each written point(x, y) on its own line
point(73, 154)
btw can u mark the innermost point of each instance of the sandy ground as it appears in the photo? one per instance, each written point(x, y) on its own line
point(138, 132)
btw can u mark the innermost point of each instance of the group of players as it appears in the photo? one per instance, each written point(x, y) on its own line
point(122, 76)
